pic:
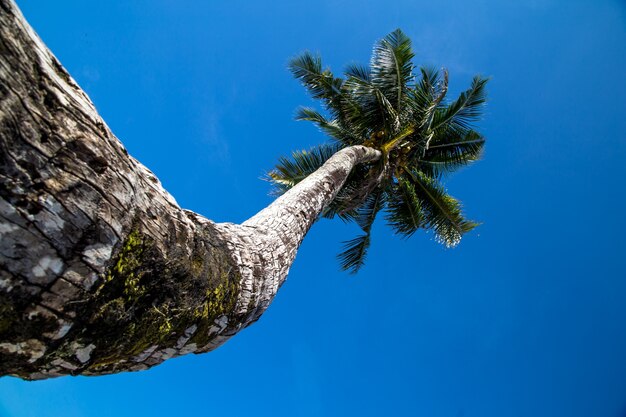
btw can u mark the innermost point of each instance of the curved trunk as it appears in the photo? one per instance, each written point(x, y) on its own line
point(100, 270)
point(267, 243)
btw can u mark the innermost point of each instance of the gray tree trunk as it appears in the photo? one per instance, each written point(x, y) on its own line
point(100, 270)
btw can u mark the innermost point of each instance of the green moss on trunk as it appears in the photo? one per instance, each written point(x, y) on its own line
point(147, 300)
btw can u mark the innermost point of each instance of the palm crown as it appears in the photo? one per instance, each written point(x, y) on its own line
point(421, 136)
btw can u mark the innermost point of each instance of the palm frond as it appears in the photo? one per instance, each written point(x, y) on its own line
point(355, 191)
point(335, 209)
point(438, 93)
point(331, 127)
point(424, 101)
point(426, 88)
point(404, 209)
point(290, 171)
point(322, 84)
point(352, 256)
point(358, 71)
point(367, 211)
point(446, 155)
point(391, 66)
point(427, 114)
point(338, 98)
point(342, 206)
point(442, 212)
point(377, 113)
point(466, 108)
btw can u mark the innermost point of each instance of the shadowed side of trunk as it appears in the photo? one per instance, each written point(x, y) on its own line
point(100, 270)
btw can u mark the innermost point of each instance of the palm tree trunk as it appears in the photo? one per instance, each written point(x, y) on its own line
point(271, 238)
point(100, 270)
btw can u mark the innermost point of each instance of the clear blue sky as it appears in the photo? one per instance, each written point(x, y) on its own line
point(526, 318)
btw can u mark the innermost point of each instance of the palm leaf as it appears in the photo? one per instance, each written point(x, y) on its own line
point(355, 191)
point(342, 206)
point(391, 66)
point(437, 95)
point(367, 211)
point(352, 256)
point(446, 155)
point(465, 109)
point(376, 111)
point(358, 71)
point(290, 171)
point(320, 83)
point(426, 89)
point(442, 212)
point(354, 251)
point(331, 127)
point(404, 210)
point(424, 102)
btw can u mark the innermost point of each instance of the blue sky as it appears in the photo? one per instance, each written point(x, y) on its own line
point(526, 318)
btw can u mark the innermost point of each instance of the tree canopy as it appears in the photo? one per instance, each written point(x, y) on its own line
point(422, 136)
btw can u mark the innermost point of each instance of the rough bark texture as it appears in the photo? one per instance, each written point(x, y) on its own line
point(100, 270)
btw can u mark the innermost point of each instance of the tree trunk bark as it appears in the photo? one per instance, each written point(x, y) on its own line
point(100, 270)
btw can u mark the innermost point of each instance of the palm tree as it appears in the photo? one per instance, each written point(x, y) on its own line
point(422, 138)
point(101, 271)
